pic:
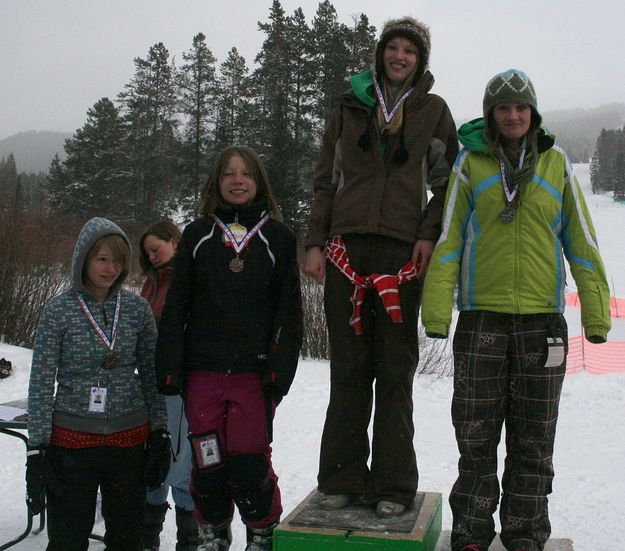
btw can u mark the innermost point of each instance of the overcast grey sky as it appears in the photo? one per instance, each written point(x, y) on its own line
point(59, 57)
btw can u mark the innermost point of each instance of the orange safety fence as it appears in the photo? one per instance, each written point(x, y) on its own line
point(599, 359)
point(617, 305)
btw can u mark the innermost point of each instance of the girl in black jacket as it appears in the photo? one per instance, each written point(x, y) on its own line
point(229, 337)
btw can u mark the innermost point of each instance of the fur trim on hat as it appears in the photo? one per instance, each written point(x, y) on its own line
point(412, 29)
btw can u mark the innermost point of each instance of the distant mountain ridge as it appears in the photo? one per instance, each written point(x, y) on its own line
point(34, 150)
point(576, 130)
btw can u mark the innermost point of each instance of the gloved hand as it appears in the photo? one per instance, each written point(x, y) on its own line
point(40, 475)
point(157, 459)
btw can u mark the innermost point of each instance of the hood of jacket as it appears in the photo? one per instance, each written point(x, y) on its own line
point(93, 230)
point(472, 135)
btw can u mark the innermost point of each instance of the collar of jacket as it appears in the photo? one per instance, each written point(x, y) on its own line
point(246, 214)
point(362, 88)
point(472, 136)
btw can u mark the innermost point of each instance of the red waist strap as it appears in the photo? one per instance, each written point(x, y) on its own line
point(386, 285)
point(69, 438)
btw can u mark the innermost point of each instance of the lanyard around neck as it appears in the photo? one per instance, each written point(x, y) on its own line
point(108, 340)
point(511, 193)
point(385, 113)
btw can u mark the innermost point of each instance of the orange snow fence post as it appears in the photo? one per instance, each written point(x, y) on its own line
point(608, 357)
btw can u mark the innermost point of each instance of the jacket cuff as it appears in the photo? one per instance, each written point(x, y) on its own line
point(437, 331)
point(429, 233)
point(596, 334)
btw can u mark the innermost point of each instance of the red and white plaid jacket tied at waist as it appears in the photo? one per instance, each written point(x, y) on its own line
point(386, 285)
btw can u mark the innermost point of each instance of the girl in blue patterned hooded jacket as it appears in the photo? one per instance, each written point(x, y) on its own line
point(96, 419)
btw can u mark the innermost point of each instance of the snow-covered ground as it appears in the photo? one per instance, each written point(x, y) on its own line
point(587, 503)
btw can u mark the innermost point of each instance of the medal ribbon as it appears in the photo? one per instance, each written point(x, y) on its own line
point(109, 342)
point(511, 195)
point(378, 92)
point(236, 245)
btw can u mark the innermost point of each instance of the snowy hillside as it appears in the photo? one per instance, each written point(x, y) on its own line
point(587, 502)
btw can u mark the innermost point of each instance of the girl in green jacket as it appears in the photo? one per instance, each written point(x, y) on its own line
point(513, 211)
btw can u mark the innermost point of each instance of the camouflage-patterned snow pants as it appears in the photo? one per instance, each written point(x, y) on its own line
point(507, 369)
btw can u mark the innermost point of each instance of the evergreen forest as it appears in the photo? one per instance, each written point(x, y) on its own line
point(607, 167)
point(146, 153)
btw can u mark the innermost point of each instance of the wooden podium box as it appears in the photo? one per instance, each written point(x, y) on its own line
point(356, 527)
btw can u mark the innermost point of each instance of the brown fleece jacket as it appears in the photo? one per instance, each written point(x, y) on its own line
point(365, 190)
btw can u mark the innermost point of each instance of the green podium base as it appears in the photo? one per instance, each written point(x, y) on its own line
point(357, 527)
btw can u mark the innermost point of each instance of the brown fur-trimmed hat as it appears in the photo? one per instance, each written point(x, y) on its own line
point(412, 29)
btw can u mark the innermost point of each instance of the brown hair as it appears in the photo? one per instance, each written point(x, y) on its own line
point(210, 195)
point(118, 247)
point(491, 134)
point(165, 230)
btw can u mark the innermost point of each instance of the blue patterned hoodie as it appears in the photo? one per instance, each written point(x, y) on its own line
point(69, 354)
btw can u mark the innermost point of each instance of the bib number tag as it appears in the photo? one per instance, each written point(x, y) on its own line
point(206, 450)
point(97, 399)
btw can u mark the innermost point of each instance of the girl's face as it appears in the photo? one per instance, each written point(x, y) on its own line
point(159, 252)
point(400, 59)
point(102, 271)
point(513, 120)
point(237, 187)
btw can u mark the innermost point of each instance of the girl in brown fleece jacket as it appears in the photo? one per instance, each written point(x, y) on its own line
point(387, 139)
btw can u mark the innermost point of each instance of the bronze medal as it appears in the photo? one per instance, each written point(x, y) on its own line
point(236, 265)
point(110, 361)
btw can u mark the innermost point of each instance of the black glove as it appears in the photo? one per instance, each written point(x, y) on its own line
point(157, 459)
point(40, 475)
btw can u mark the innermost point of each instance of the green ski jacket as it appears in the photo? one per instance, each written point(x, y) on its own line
point(514, 267)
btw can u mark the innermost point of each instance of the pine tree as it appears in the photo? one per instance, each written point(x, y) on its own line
point(149, 107)
point(301, 95)
point(232, 100)
point(58, 187)
point(361, 44)
point(273, 77)
point(96, 174)
point(594, 173)
point(8, 176)
point(331, 58)
point(196, 87)
point(619, 166)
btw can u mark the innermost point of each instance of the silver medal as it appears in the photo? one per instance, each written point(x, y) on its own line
point(507, 214)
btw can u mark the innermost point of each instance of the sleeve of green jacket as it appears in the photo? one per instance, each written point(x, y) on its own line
point(582, 252)
point(442, 275)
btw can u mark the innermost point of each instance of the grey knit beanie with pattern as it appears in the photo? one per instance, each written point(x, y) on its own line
point(408, 27)
point(511, 86)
